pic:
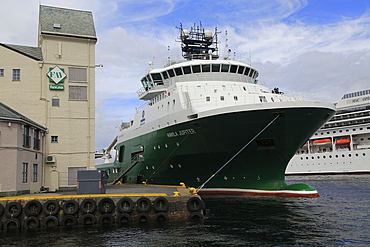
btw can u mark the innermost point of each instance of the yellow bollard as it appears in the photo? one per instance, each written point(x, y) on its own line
point(176, 193)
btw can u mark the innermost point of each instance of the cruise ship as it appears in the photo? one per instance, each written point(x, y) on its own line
point(209, 123)
point(342, 145)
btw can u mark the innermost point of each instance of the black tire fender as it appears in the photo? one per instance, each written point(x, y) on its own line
point(13, 210)
point(196, 216)
point(32, 208)
point(69, 220)
point(10, 222)
point(88, 206)
point(124, 218)
point(142, 218)
point(27, 224)
point(68, 205)
point(106, 205)
point(51, 207)
point(1, 209)
point(1, 225)
point(106, 219)
point(160, 204)
point(161, 217)
point(125, 205)
point(143, 205)
point(88, 219)
point(194, 204)
point(50, 221)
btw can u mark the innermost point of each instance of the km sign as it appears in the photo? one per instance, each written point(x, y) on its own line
point(56, 74)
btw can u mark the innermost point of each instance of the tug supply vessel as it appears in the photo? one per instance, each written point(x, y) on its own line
point(210, 124)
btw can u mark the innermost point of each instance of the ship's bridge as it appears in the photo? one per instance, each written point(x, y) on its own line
point(157, 80)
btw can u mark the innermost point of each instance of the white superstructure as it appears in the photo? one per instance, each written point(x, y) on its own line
point(342, 145)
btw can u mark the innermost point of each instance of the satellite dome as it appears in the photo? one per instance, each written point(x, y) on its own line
point(208, 35)
point(184, 34)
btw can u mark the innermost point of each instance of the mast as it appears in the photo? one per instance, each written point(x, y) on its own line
point(198, 43)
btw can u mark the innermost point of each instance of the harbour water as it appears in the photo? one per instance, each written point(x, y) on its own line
point(339, 217)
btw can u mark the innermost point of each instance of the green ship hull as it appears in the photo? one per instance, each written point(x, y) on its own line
point(193, 151)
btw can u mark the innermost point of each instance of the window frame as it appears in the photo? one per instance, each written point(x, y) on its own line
point(16, 76)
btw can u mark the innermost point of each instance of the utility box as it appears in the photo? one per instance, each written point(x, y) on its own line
point(91, 182)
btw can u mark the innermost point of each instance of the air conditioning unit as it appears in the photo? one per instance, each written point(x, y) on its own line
point(50, 158)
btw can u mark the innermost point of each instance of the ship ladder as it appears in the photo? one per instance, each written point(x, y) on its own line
point(131, 163)
point(273, 120)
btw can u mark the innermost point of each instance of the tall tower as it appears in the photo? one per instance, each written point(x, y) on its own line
point(67, 93)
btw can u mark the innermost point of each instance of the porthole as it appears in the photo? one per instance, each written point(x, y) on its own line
point(146, 167)
point(363, 154)
point(306, 158)
point(159, 147)
point(171, 165)
point(179, 165)
point(301, 158)
point(336, 156)
point(154, 147)
point(318, 157)
point(343, 155)
point(244, 89)
point(356, 154)
point(349, 155)
point(330, 156)
point(177, 144)
point(324, 157)
point(166, 145)
point(312, 157)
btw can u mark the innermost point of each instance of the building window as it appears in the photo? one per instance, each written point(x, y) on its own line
point(16, 74)
point(26, 137)
point(1, 72)
point(77, 74)
point(77, 93)
point(55, 102)
point(54, 139)
point(36, 140)
point(24, 172)
point(34, 174)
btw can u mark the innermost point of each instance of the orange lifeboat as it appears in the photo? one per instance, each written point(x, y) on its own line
point(343, 142)
point(321, 142)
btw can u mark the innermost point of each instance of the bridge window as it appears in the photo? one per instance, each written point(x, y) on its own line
point(241, 69)
point(196, 68)
point(165, 75)
point(186, 70)
point(215, 68)
point(225, 67)
point(171, 73)
point(206, 68)
point(178, 71)
point(246, 72)
point(233, 68)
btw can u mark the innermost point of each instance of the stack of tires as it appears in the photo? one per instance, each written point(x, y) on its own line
point(91, 211)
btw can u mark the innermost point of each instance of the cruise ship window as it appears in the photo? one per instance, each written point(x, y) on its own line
point(206, 68)
point(236, 98)
point(1, 72)
point(222, 98)
point(196, 68)
point(223, 87)
point(215, 68)
point(225, 68)
point(208, 98)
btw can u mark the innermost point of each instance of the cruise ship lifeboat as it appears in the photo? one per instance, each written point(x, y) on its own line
point(343, 142)
point(322, 142)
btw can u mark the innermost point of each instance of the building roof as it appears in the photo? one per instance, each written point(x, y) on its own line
point(66, 22)
point(29, 51)
point(7, 113)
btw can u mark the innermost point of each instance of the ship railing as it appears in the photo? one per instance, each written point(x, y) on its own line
point(128, 166)
point(142, 107)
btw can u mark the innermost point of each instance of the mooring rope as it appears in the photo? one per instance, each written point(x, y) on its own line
point(201, 186)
